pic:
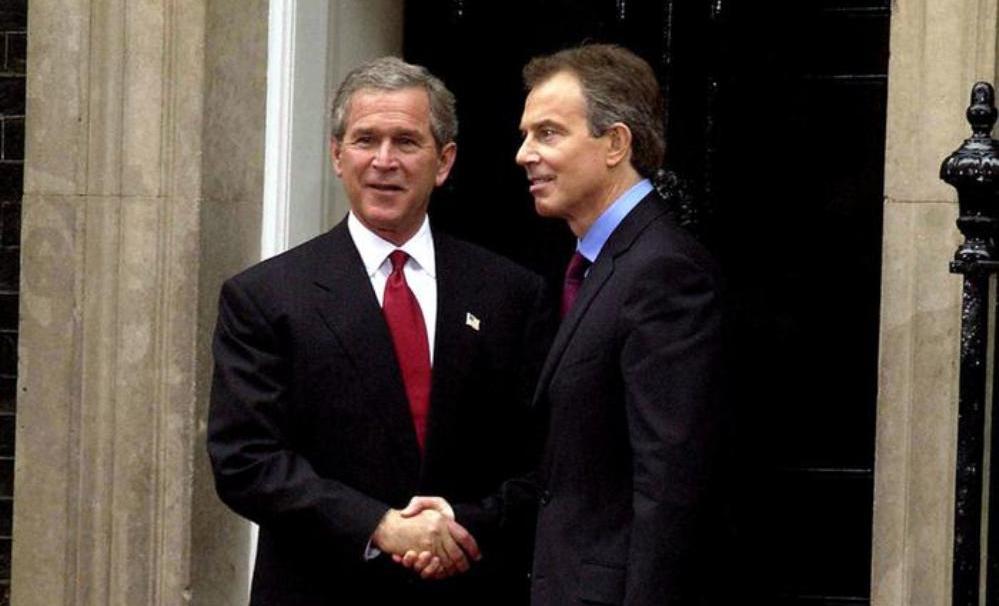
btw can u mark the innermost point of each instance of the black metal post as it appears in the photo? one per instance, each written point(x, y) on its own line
point(992, 546)
point(974, 171)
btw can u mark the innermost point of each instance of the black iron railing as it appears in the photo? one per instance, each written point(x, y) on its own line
point(974, 171)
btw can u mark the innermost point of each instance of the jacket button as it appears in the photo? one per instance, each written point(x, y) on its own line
point(546, 497)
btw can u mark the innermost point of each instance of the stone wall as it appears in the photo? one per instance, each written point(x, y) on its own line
point(939, 48)
point(142, 187)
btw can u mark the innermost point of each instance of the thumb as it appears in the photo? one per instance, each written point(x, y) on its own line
point(418, 504)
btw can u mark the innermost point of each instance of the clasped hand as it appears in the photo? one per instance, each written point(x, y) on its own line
point(425, 538)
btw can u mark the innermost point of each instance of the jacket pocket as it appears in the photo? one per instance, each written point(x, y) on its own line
point(601, 583)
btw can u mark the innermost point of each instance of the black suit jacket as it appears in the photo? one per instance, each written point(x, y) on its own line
point(631, 384)
point(310, 434)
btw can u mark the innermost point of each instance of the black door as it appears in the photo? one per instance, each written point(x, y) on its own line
point(776, 125)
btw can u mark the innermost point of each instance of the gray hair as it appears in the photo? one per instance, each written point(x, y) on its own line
point(392, 74)
point(619, 86)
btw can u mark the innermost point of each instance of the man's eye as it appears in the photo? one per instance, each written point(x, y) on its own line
point(546, 133)
point(407, 143)
point(364, 140)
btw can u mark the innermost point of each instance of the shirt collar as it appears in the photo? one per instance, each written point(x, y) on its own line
point(594, 239)
point(374, 249)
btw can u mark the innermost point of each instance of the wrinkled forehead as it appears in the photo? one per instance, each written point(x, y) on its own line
point(413, 100)
point(389, 112)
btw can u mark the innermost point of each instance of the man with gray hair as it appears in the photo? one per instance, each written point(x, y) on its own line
point(375, 362)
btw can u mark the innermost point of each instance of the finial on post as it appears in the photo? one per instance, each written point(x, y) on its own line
point(982, 111)
point(973, 169)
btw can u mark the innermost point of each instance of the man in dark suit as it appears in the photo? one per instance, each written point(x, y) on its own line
point(631, 381)
point(375, 362)
point(632, 375)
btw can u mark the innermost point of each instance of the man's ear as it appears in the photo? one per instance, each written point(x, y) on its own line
point(619, 139)
point(445, 161)
point(335, 156)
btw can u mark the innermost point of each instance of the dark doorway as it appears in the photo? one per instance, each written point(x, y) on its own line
point(777, 123)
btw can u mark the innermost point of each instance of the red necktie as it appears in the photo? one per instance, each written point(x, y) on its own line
point(409, 336)
point(574, 275)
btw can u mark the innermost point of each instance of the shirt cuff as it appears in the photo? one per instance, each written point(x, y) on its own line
point(371, 552)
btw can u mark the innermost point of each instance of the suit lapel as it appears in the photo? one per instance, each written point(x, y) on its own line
point(454, 341)
point(349, 308)
point(617, 244)
point(595, 280)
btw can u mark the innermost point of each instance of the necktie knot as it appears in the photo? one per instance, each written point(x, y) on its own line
point(398, 259)
point(577, 267)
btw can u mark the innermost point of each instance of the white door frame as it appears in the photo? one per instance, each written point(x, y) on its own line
point(311, 45)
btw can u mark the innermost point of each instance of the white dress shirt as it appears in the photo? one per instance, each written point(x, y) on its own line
point(421, 276)
point(420, 268)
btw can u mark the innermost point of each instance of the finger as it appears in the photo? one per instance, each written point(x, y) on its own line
point(421, 560)
point(442, 574)
point(443, 558)
point(455, 556)
point(415, 506)
point(409, 559)
point(419, 503)
point(431, 569)
point(439, 540)
point(465, 540)
point(397, 559)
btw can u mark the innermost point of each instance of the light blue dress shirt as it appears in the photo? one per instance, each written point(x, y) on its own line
point(594, 239)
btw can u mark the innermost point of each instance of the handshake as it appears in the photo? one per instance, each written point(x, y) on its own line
point(425, 538)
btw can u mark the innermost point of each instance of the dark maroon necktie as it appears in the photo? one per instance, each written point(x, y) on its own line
point(574, 275)
point(409, 336)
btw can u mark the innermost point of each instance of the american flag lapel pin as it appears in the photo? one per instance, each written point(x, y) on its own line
point(472, 321)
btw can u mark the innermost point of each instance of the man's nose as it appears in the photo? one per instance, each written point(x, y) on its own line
point(384, 155)
point(526, 153)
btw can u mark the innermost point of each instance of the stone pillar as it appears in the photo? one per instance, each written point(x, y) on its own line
point(939, 48)
point(143, 184)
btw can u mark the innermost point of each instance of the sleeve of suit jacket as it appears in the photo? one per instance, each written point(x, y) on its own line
point(670, 369)
point(256, 473)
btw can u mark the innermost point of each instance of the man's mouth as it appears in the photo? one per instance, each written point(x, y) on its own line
point(386, 187)
point(538, 182)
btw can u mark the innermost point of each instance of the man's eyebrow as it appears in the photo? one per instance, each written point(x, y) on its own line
point(408, 132)
point(395, 132)
point(546, 123)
